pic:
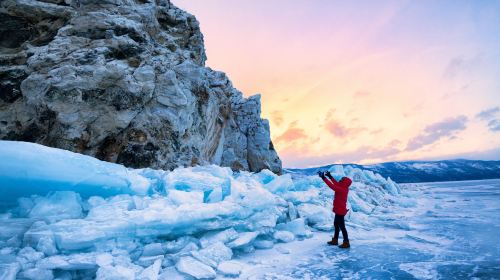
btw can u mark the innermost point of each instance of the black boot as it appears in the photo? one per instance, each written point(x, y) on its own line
point(345, 244)
point(334, 241)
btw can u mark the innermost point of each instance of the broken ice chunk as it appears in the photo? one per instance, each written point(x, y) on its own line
point(27, 256)
point(230, 268)
point(36, 274)
point(13, 227)
point(263, 244)
point(280, 184)
point(224, 236)
point(195, 268)
point(214, 195)
point(148, 261)
point(47, 245)
point(115, 272)
point(316, 216)
point(57, 206)
point(170, 273)
point(297, 227)
point(213, 254)
point(265, 176)
point(244, 239)
point(153, 249)
point(151, 272)
point(179, 244)
point(284, 236)
point(283, 250)
point(8, 271)
point(69, 262)
point(292, 211)
point(183, 197)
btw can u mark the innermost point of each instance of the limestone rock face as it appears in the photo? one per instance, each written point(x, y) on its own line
point(124, 81)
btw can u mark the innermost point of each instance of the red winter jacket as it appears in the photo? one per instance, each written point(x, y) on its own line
point(341, 190)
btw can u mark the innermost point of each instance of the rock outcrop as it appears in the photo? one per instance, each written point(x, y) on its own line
point(124, 81)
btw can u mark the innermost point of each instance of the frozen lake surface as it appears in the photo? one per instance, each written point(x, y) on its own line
point(452, 233)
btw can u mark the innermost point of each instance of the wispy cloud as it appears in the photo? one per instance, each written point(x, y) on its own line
point(434, 132)
point(376, 131)
point(277, 117)
point(460, 64)
point(490, 116)
point(494, 125)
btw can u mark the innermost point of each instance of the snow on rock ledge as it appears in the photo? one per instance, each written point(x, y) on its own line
point(124, 81)
point(143, 223)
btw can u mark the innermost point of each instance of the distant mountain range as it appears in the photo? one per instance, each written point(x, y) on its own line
point(423, 171)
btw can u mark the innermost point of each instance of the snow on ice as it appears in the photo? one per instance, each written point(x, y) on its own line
point(76, 216)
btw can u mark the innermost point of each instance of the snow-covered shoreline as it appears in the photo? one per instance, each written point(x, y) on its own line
point(101, 219)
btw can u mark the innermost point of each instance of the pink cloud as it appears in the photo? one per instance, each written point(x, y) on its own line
point(338, 129)
point(292, 134)
point(361, 93)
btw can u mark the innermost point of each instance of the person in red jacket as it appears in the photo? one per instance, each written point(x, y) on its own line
point(341, 189)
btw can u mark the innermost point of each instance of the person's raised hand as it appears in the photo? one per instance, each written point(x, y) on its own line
point(321, 174)
point(327, 173)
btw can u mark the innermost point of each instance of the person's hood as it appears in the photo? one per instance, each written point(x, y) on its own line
point(346, 181)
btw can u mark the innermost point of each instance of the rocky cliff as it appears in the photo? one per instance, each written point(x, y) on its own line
point(124, 81)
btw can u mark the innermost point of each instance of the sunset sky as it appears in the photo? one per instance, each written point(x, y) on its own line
point(363, 81)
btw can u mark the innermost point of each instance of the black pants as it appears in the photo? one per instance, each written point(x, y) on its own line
point(339, 224)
